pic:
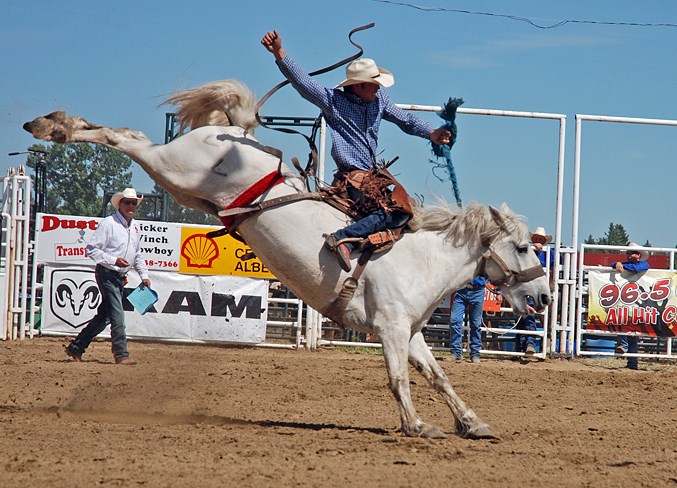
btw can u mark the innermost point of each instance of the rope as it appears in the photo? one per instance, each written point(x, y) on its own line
point(448, 113)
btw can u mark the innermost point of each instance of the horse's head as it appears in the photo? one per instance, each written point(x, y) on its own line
point(509, 262)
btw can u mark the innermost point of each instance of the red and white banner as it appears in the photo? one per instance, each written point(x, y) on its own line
point(633, 302)
point(166, 246)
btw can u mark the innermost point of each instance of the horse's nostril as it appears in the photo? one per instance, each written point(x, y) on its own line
point(545, 299)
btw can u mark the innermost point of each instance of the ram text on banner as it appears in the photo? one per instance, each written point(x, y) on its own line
point(644, 303)
point(217, 256)
point(190, 308)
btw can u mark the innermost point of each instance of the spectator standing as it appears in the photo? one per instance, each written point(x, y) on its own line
point(527, 343)
point(636, 262)
point(471, 297)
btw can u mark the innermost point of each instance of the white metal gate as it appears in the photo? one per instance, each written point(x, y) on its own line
point(16, 205)
point(552, 329)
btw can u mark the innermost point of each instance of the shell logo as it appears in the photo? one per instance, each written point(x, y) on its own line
point(200, 251)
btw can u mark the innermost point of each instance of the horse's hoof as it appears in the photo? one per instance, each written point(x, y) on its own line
point(481, 432)
point(431, 432)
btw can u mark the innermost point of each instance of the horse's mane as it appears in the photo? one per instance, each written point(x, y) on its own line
point(223, 102)
point(474, 220)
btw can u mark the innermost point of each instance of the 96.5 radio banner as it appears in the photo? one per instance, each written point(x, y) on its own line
point(166, 246)
point(633, 302)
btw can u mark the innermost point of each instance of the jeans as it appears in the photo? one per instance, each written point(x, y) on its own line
point(372, 223)
point(474, 300)
point(530, 323)
point(111, 284)
point(630, 344)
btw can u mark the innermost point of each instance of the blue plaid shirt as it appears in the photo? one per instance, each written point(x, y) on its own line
point(354, 123)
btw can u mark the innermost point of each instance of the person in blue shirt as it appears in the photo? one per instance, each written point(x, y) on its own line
point(527, 343)
point(636, 260)
point(472, 298)
point(353, 111)
point(636, 263)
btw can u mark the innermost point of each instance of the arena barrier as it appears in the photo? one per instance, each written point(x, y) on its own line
point(571, 311)
point(14, 254)
point(206, 292)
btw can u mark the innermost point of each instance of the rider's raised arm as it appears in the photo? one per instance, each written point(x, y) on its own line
point(306, 85)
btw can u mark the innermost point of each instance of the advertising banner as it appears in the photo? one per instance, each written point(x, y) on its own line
point(165, 246)
point(645, 302)
point(220, 256)
point(189, 308)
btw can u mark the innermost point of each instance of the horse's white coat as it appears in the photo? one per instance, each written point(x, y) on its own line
point(398, 291)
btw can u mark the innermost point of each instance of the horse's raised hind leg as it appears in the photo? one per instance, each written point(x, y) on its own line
point(395, 352)
point(468, 424)
point(61, 128)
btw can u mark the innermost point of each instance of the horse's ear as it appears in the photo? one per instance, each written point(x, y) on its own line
point(497, 216)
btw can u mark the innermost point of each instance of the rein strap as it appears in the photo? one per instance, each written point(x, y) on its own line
point(274, 202)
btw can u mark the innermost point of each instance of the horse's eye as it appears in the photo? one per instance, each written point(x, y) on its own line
point(522, 249)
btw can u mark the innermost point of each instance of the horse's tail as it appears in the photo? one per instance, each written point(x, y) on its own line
point(223, 102)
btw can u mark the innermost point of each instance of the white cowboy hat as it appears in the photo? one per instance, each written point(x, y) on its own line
point(127, 193)
point(365, 71)
point(540, 231)
point(643, 254)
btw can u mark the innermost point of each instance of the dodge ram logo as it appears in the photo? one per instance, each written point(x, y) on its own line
point(75, 296)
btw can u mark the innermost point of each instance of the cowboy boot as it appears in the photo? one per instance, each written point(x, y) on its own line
point(340, 249)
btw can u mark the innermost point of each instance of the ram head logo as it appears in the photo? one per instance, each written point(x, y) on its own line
point(75, 297)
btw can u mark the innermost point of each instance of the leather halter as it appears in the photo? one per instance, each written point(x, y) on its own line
point(510, 276)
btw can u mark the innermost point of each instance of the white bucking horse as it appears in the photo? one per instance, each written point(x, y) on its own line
point(219, 165)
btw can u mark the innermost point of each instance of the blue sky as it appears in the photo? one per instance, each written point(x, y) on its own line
point(113, 62)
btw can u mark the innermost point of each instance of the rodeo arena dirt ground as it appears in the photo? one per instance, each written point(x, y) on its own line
point(189, 415)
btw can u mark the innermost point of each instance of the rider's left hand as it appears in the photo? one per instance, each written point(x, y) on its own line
point(440, 136)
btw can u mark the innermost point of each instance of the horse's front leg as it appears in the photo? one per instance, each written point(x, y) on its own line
point(468, 424)
point(395, 352)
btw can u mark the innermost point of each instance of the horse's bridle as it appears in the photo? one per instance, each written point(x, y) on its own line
point(510, 276)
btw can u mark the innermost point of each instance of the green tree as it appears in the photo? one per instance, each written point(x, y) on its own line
point(615, 236)
point(77, 175)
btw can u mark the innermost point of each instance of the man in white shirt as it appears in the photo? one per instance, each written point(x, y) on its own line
point(114, 248)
